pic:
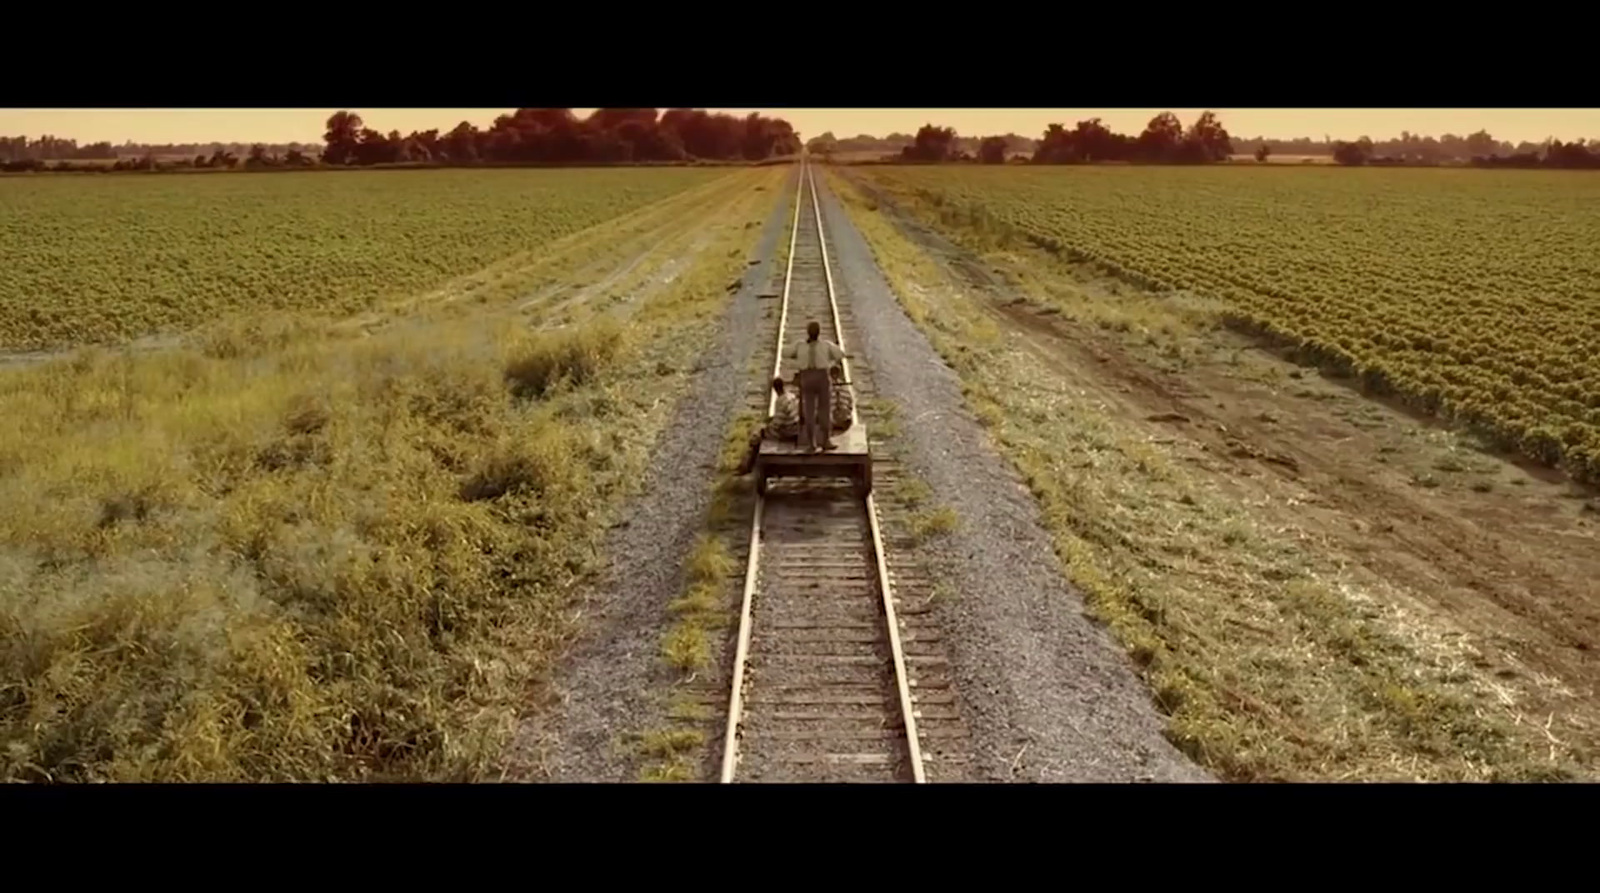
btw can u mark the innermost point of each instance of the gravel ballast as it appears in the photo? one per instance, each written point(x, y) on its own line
point(611, 681)
point(1049, 696)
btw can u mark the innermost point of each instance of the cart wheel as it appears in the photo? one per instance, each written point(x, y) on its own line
point(864, 482)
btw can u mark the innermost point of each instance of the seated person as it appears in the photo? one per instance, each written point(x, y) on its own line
point(844, 400)
point(784, 424)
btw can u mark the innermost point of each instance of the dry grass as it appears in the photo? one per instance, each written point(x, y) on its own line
point(914, 492)
point(312, 572)
point(687, 647)
point(669, 750)
point(1271, 662)
point(886, 418)
point(540, 361)
point(705, 607)
point(312, 555)
point(930, 523)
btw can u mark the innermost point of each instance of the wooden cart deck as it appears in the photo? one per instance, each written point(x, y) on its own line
point(851, 459)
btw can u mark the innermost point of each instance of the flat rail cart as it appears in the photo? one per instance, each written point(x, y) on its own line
point(851, 459)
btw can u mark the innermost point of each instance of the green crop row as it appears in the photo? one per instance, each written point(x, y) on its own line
point(1472, 295)
point(96, 260)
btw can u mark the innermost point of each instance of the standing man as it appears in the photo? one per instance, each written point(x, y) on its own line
point(814, 355)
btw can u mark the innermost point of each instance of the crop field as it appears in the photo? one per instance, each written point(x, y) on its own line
point(1315, 585)
point(1470, 294)
point(95, 259)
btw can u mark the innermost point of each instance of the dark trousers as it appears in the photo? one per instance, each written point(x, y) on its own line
point(816, 407)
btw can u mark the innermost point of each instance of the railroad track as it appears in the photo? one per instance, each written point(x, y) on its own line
point(835, 678)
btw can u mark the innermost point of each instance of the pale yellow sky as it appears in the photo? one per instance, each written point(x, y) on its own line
point(306, 125)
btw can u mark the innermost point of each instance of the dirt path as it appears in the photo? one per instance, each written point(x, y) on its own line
point(1479, 546)
point(147, 344)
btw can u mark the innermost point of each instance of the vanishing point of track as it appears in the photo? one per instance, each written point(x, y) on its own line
point(820, 690)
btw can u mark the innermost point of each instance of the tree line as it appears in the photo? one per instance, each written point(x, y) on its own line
point(51, 148)
point(1164, 140)
point(558, 136)
point(50, 153)
point(523, 137)
point(1412, 146)
point(865, 144)
point(643, 136)
point(1407, 148)
point(1552, 153)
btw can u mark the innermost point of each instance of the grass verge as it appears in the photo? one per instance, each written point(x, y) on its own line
point(1269, 662)
point(708, 606)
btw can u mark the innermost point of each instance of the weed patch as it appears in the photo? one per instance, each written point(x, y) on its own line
point(928, 524)
point(538, 362)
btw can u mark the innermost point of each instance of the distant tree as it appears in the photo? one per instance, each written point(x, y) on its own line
point(1570, 155)
point(931, 144)
point(1054, 147)
point(413, 149)
point(1095, 142)
point(1353, 154)
point(376, 148)
point(992, 150)
point(1481, 144)
point(1262, 152)
point(426, 145)
point(1089, 140)
point(613, 119)
point(661, 144)
point(1207, 140)
point(342, 137)
point(1161, 138)
point(461, 144)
